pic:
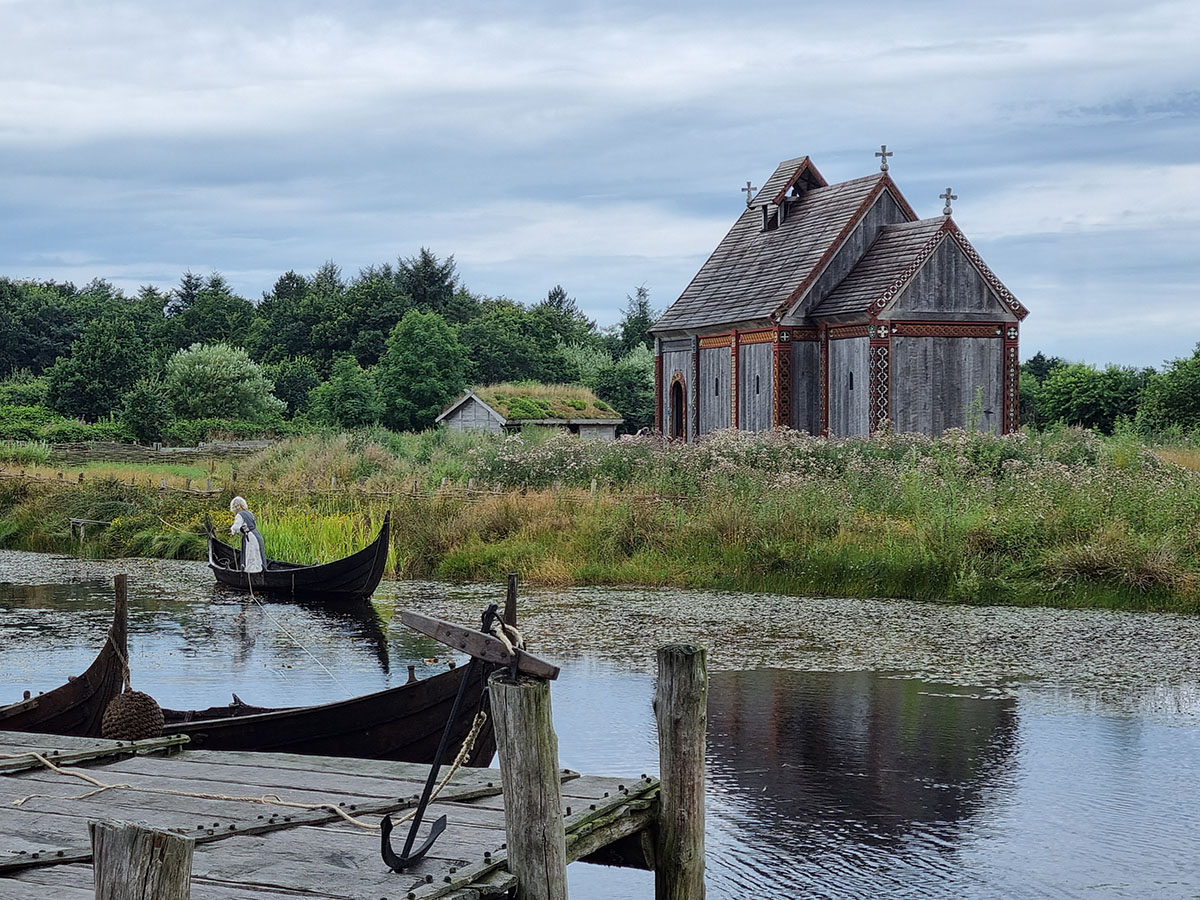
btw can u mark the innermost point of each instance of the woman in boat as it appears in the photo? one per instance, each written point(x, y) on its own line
point(253, 551)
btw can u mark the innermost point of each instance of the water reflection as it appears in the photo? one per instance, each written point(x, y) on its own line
point(1072, 771)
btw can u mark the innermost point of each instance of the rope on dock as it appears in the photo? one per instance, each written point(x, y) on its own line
point(269, 799)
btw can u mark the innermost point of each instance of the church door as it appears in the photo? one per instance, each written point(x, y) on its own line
point(677, 430)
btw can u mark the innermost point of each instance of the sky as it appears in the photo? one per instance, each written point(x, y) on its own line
point(602, 146)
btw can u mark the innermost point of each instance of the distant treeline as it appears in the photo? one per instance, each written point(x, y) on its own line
point(391, 345)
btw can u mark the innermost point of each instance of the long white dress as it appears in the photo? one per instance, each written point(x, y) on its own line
point(252, 548)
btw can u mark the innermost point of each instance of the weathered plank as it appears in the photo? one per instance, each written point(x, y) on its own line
point(132, 862)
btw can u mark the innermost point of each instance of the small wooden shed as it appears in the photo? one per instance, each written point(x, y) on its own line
point(511, 407)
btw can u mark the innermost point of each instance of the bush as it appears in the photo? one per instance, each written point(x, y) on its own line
point(23, 388)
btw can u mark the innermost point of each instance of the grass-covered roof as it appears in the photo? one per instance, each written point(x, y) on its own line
point(545, 401)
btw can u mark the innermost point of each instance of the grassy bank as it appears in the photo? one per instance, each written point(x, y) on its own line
point(1065, 518)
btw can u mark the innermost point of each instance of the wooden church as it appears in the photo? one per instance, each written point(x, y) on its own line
point(834, 309)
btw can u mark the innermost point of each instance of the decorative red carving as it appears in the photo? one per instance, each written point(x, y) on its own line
point(948, 329)
point(782, 397)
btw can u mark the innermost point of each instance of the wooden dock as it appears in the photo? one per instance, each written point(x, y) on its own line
point(246, 848)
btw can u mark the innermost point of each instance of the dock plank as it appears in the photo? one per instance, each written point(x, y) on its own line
point(315, 854)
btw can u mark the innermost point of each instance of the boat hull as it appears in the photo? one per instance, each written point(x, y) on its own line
point(353, 577)
point(403, 723)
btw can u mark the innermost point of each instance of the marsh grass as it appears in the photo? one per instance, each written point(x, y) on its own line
point(1063, 518)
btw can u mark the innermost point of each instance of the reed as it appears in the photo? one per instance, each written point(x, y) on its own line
point(1064, 518)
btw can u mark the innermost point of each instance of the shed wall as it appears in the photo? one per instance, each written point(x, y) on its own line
point(598, 432)
point(754, 386)
point(471, 416)
point(949, 286)
point(715, 408)
point(806, 386)
point(849, 387)
point(934, 381)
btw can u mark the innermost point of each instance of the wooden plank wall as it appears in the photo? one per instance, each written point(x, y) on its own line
point(806, 386)
point(939, 377)
point(472, 416)
point(950, 288)
point(715, 409)
point(755, 368)
point(848, 407)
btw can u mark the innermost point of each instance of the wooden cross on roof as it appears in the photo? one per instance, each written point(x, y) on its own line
point(947, 197)
point(883, 155)
point(749, 189)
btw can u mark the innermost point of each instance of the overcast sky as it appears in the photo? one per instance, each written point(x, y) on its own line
point(602, 146)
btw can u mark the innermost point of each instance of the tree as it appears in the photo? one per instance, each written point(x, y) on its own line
point(1079, 394)
point(1172, 398)
point(429, 283)
point(634, 327)
point(146, 410)
point(219, 381)
point(628, 386)
point(293, 378)
point(349, 399)
point(423, 369)
point(207, 311)
point(1040, 366)
point(108, 358)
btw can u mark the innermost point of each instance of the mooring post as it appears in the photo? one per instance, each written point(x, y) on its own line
point(510, 600)
point(681, 710)
point(529, 773)
point(133, 862)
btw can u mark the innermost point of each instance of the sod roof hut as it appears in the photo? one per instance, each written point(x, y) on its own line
point(511, 407)
point(835, 309)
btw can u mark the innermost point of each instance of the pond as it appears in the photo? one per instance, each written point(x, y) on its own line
point(881, 749)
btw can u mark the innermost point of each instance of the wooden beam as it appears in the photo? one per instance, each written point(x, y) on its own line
point(681, 710)
point(477, 644)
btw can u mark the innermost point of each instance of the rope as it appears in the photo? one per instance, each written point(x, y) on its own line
point(509, 636)
point(269, 799)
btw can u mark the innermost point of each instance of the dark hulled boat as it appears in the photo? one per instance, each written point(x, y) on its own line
point(351, 578)
point(77, 707)
point(401, 723)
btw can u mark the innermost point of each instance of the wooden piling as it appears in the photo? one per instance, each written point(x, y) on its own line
point(133, 862)
point(681, 711)
point(510, 600)
point(533, 817)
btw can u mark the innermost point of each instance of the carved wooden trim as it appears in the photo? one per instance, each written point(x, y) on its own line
point(802, 333)
point(713, 341)
point(989, 276)
point(678, 378)
point(823, 355)
point(880, 376)
point(757, 337)
point(733, 380)
point(694, 400)
point(1011, 404)
point(781, 399)
point(659, 393)
point(841, 332)
point(948, 329)
point(901, 281)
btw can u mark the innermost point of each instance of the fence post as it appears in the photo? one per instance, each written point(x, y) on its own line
point(510, 600)
point(132, 862)
point(533, 814)
point(681, 711)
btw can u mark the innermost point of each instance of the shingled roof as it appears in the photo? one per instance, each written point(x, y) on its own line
point(895, 249)
point(753, 273)
point(896, 255)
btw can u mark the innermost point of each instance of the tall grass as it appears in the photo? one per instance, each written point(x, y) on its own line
point(1064, 517)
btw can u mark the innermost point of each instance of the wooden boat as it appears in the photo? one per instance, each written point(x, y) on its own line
point(401, 723)
point(77, 707)
point(353, 577)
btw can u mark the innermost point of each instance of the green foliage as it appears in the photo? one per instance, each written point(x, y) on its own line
point(1172, 398)
point(146, 410)
point(634, 328)
point(109, 356)
point(25, 453)
point(190, 432)
point(628, 385)
point(1079, 394)
point(294, 378)
point(206, 311)
point(429, 283)
point(23, 388)
point(219, 381)
point(349, 399)
point(423, 369)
